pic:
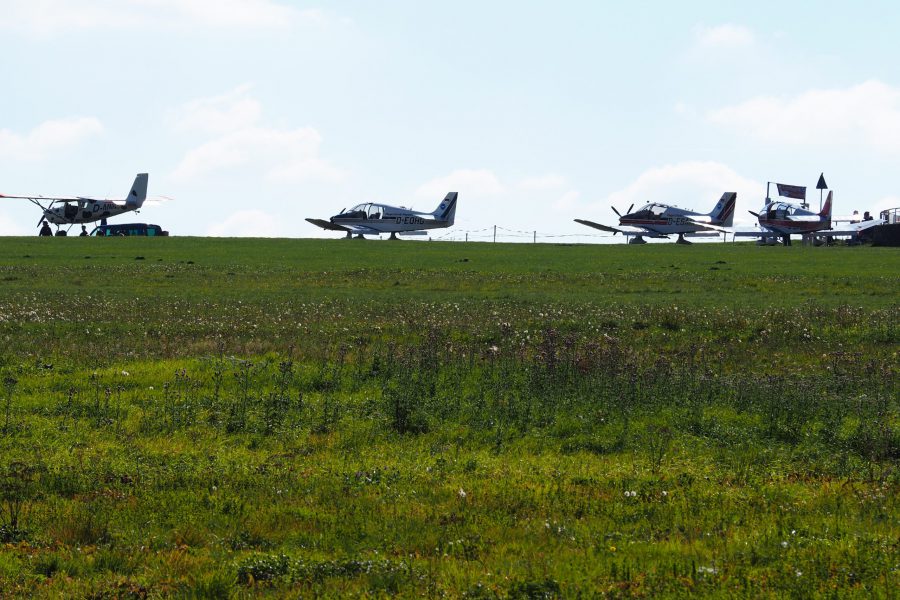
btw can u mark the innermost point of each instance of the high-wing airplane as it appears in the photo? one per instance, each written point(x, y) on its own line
point(660, 220)
point(73, 210)
point(374, 219)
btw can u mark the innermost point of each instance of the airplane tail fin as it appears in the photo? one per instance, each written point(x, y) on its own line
point(446, 211)
point(723, 213)
point(138, 192)
point(826, 209)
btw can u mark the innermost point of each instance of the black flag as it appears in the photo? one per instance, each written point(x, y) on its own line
point(822, 185)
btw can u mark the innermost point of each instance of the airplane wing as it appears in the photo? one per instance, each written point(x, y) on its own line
point(851, 228)
point(599, 226)
point(327, 225)
point(756, 233)
point(51, 198)
point(353, 229)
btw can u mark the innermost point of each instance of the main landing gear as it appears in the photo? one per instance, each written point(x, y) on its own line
point(681, 240)
point(638, 239)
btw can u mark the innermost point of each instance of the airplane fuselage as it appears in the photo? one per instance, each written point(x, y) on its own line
point(785, 218)
point(87, 212)
point(390, 222)
point(663, 224)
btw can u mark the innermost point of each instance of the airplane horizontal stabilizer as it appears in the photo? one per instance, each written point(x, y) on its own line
point(708, 226)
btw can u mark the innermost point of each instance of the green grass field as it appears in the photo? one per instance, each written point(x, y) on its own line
point(215, 417)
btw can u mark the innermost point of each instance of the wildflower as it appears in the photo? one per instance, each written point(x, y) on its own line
point(462, 493)
point(784, 544)
point(125, 373)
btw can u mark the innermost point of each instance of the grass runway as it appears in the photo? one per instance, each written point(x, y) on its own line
point(225, 418)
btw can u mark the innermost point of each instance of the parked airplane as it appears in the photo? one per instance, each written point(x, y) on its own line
point(374, 219)
point(71, 211)
point(660, 220)
point(782, 219)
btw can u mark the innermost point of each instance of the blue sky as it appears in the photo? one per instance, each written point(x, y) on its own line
point(254, 114)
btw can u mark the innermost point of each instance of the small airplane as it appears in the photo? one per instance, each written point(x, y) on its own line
point(661, 220)
point(374, 219)
point(78, 210)
point(784, 218)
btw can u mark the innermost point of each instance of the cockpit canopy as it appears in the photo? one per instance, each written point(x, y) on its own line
point(649, 211)
point(362, 211)
point(781, 210)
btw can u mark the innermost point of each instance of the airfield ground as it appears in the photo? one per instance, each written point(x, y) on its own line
point(214, 418)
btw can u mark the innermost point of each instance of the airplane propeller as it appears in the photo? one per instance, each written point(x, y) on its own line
point(753, 213)
point(626, 212)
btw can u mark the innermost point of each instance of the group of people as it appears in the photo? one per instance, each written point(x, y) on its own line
point(46, 231)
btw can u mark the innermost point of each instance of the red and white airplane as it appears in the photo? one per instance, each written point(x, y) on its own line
point(661, 220)
point(78, 210)
point(784, 219)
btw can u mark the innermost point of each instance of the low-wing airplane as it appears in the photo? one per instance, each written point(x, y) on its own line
point(374, 219)
point(76, 210)
point(784, 218)
point(661, 220)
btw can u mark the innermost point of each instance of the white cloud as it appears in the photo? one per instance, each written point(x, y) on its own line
point(283, 155)
point(694, 185)
point(723, 37)
point(231, 111)
point(469, 182)
point(568, 201)
point(544, 182)
point(48, 137)
point(867, 114)
point(45, 17)
point(249, 223)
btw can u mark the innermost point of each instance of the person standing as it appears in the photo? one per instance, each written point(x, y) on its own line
point(83, 231)
point(45, 229)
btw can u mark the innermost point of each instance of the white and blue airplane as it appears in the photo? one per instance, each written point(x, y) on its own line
point(373, 218)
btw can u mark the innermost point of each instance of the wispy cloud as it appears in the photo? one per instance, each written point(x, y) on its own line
point(469, 182)
point(283, 155)
point(723, 37)
point(47, 138)
point(49, 16)
point(226, 112)
point(249, 223)
point(867, 114)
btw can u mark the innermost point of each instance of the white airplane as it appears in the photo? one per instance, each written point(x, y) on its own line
point(374, 219)
point(660, 220)
point(78, 210)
